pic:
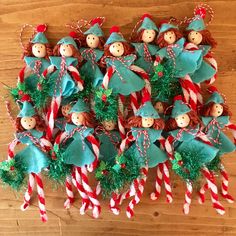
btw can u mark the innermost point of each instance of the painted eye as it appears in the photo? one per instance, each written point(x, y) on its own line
point(88, 37)
point(93, 38)
point(31, 119)
point(24, 120)
point(113, 46)
point(216, 106)
point(118, 44)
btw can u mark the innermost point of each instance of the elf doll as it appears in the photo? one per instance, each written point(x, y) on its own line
point(215, 117)
point(79, 148)
point(34, 158)
point(198, 37)
point(92, 52)
point(122, 76)
point(182, 62)
point(144, 43)
point(30, 81)
point(190, 151)
point(63, 76)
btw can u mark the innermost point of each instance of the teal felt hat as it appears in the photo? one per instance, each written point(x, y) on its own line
point(27, 110)
point(197, 24)
point(40, 36)
point(115, 36)
point(179, 107)
point(68, 40)
point(80, 106)
point(166, 26)
point(95, 27)
point(147, 23)
point(216, 98)
point(147, 110)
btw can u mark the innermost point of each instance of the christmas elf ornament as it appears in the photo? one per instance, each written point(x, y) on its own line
point(64, 78)
point(36, 57)
point(30, 130)
point(215, 117)
point(79, 148)
point(92, 52)
point(190, 151)
point(143, 38)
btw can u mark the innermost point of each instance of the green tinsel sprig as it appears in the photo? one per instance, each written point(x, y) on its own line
point(117, 177)
point(12, 174)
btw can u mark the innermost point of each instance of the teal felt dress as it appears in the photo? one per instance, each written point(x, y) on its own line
point(31, 157)
point(187, 143)
point(213, 128)
point(90, 69)
point(142, 61)
point(78, 151)
point(64, 86)
point(205, 71)
point(154, 155)
point(108, 148)
point(183, 62)
point(42, 64)
point(124, 81)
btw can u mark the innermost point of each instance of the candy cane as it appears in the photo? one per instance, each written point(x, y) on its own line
point(201, 193)
point(91, 194)
point(121, 126)
point(214, 191)
point(158, 182)
point(11, 148)
point(41, 198)
point(225, 185)
point(232, 128)
point(190, 92)
point(139, 193)
point(166, 178)
point(213, 63)
point(69, 191)
point(77, 181)
point(113, 205)
point(28, 192)
point(187, 202)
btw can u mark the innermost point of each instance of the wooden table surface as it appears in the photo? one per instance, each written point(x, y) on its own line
point(152, 218)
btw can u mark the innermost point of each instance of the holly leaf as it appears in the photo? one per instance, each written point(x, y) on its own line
point(99, 94)
point(116, 167)
point(21, 86)
point(6, 165)
point(178, 156)
point(108, 92)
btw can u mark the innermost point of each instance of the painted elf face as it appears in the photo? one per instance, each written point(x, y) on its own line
point(217, 110)
point(66, 50)
point(92, 41)
point(65, 110)
point(109, 125)
point(77, 118)
point(195, 37)
point(148, 36)
point(28, 122)
point(170, 37)
point(159, 107)
point(147, 122)
point(182, 120)
point(39, 50)
point(117, 49)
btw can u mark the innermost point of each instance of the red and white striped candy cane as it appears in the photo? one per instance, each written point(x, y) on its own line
point(28, 192)
point(41, 198)
point(166, 178)
point(139, 192)
point(225, 185)
point(232, 128)
point(158, 183)
point(188, 196)
point(91, 193)
point(212, 61)
point(190, 92)
point(214, 191)
point(202, 192)
point(77, 181)
point(69, 191)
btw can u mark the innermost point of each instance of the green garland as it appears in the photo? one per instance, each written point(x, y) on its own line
point(187, 166)
point(106, 104)
point(38, 96)
point(164, 85)
point(116, 177)
point(58, 170)
point(214, 165)
point(12, 174)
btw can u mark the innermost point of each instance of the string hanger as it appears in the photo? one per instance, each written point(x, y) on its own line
point(22, 30)
point(201, 9)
